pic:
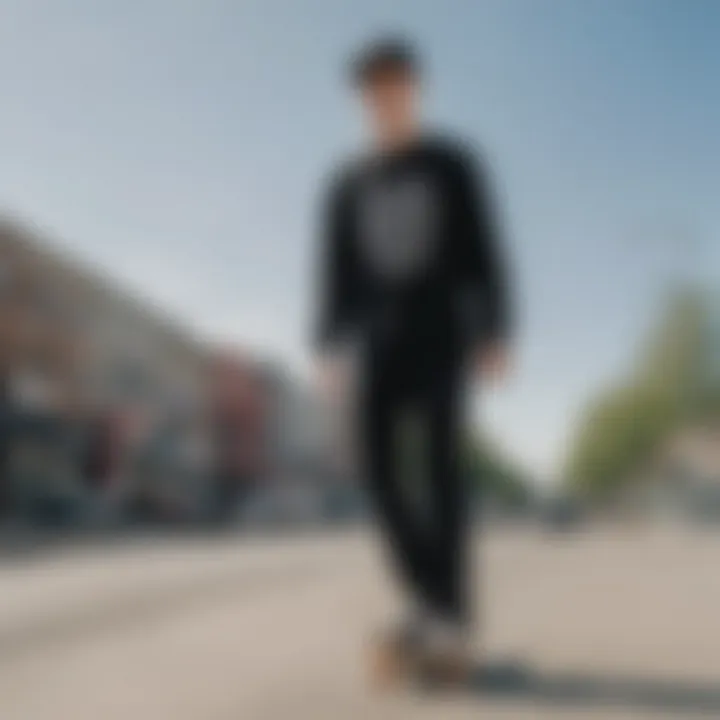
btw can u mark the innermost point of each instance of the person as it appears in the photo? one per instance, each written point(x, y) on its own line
point(6, 443)
point(237, 416)
point(414, 295)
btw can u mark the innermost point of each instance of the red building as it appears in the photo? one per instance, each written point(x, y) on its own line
point(238, 415)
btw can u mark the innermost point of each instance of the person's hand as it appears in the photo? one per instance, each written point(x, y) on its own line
point(493, 363)
point(331, 377)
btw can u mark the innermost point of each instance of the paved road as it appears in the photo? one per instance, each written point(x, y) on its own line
point(603, 625)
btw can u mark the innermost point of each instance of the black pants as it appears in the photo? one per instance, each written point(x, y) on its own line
point(428, 549)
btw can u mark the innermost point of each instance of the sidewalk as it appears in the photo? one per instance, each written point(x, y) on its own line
point(67, 592)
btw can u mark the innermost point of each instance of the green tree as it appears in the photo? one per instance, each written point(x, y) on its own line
point(668, 386)
point(494, 477)
point(617, 437)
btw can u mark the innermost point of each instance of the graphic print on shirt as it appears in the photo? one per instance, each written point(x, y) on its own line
point(398, 222)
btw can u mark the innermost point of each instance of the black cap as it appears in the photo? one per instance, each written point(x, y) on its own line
point(388, 54)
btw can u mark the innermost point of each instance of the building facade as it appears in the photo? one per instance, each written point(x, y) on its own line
point(90, 341)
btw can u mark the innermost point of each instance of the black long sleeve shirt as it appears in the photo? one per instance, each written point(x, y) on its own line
point(411, 251)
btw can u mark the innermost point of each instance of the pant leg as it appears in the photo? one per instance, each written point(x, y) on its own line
point(449, 581)
point(382, 405)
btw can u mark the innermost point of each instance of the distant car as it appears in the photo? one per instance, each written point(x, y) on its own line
point(284, 505)
point(344, 503)
point(561, 514)
point(258, 511)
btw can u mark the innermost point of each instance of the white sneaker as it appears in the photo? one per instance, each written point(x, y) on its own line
point(446, 654)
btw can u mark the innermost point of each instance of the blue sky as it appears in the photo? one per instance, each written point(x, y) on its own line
point(181, 145)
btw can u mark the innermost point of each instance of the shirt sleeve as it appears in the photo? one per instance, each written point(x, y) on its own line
point(338, 281)
point(482, 267)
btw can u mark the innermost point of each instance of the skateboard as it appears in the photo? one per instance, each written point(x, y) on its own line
point(395, 662)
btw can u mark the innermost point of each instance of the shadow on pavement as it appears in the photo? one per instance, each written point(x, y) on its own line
point(516, 683)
